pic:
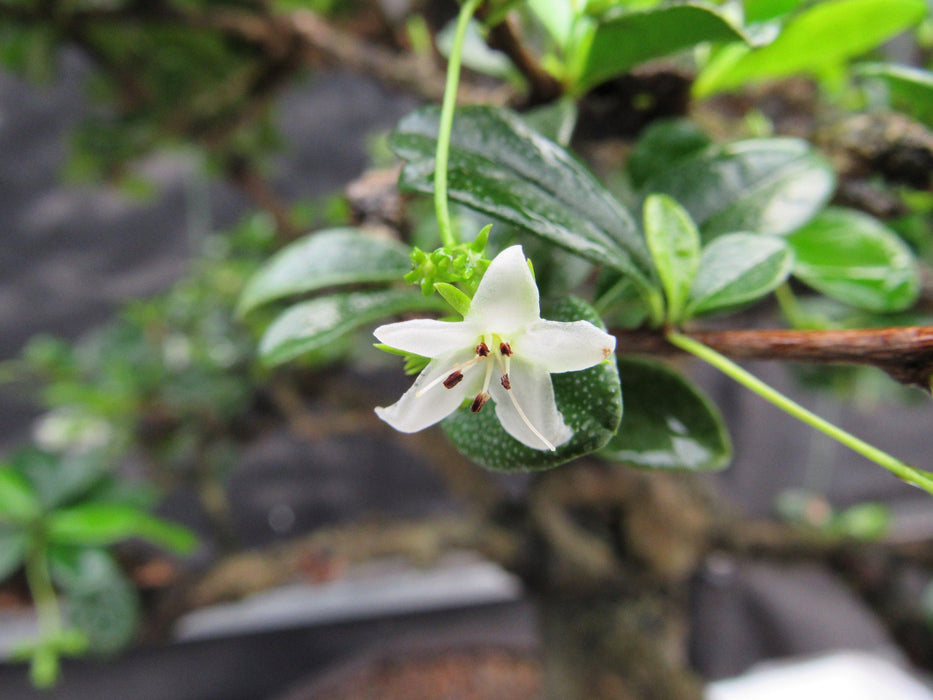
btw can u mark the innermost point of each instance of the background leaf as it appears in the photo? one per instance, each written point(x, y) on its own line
point(762, 185)
point(625, 39)
point(325, 259)
point(738, 268)
point(910, 89)
point(12, 552)
point(856, 259)
point(99, 600)
point(763, 10)
point(828, 33)
point(675, 244)
point(314, 324)
point(18, 502)
point(590, 401)
point(98, 524)
point(660, 145)
point(669, 423)
point(500, 167)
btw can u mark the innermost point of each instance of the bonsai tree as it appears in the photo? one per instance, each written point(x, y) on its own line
point(547, 301)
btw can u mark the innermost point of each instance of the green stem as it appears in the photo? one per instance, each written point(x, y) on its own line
point(43, 593)
point(446, 126)
point(45, 665)
point(910, 474)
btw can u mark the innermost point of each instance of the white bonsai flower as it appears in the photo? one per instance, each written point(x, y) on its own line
point(504, 335)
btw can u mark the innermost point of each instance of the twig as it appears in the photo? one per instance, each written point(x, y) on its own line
point(904, 353)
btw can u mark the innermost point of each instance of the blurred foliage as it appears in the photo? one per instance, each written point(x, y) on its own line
point(173, 380)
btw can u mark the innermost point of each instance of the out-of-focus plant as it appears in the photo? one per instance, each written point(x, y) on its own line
point(59, 515)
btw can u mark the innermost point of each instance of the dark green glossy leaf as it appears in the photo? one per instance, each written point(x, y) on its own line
point(101, 523)
point(624, 39)
point(18, 502)
point(315, 324)
point(661, 145)
point(504, 169)
point(856, 259)
point(12, 552)
point(99, 600)
point(762, 185)
point(325, 259)
point(826, 34)
point(590, 401)
point(669, 423)
point(675, 244)
point(910, 89)
point(739, 268)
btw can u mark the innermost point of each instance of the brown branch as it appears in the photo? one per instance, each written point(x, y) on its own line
point(244, 175)
point(543, 87)
point(904, 353)
point(407, 71)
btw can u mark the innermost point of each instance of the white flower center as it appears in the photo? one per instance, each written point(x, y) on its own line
point(499, 356)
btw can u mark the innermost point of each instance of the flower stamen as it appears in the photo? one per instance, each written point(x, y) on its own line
point(527, 422)
point(504, 359)
point(452, 378)
point(479, 402)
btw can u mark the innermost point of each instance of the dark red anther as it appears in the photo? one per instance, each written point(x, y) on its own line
point(505, 349)
point(455, 378)
point(482, 350)
point(479, 402)
point(504, 380)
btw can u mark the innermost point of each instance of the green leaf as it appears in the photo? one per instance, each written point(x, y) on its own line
point(910, 89)
point(325, 259)
point(660, 145)
point(738, 268)
point(99, 600)
point(314, 324)
point(18, 502)
point(827, 34)
point(59, 478)
point(12, 552)
point(557, 17)
point(675, 244)
point(625, 39)
point(101, 523)
point(458, 300)
point(762, 185)
point(590, 401)
point(476, 54)
point(856, 259)
point(764, 10)
point(669, 423)
point(504, 169)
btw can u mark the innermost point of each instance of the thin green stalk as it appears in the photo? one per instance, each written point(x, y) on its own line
point(448, 238)
point(44, 669)
point(910, 474)
point(43, 594)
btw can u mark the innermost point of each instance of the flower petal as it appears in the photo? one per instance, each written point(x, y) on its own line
point(564, 347)
point(427, 337)
point(412, 413)
point(533, 391)
point(507, 297)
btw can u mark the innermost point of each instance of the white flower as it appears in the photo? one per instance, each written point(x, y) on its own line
point(502, 335)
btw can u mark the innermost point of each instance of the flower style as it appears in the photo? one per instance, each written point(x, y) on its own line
point(503, 334)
